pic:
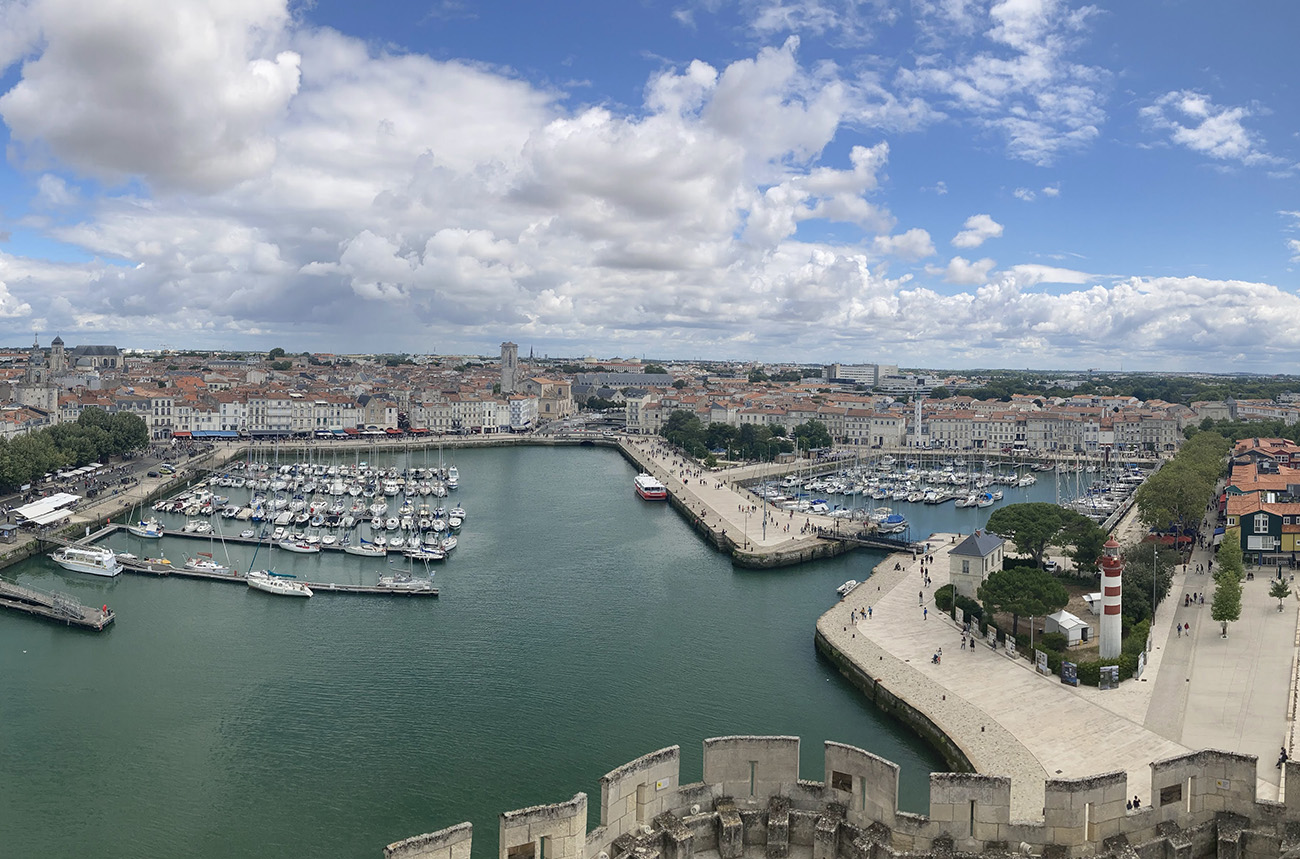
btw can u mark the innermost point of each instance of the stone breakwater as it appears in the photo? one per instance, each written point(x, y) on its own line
point(715, 505)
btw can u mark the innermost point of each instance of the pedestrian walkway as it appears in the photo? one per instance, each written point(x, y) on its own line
point(1198, 690)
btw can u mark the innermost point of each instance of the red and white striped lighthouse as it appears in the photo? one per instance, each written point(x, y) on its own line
point(1112, 568)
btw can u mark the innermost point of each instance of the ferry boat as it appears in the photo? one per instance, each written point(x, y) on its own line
point(262, 580)
point(650, 488)
point(87, 559)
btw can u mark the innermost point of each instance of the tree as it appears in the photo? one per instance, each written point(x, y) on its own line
point(939, 393)
point(812, 434)
point(1279, 591)
point(1141, 562)
point(275, 353)
point(1226, 606)
point(657, 369)
point(1087, 541)
point(679, 384)
point(1175, 495)
point(1034, 525)
point(756, 376)
point(1023, 590)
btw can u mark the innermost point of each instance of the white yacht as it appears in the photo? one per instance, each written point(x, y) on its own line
point(365, 549)
point(87, 559)
point(272, 584)
point(404, 582)
point(206, 565)
point(150, 529)
point(299, 546)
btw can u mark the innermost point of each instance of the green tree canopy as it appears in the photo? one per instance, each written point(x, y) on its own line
point(275, 353)
point(1226, 606)
point(1279, 591)
point(1023, 591)
point(1174, 496)
point(1032, 526)
point(1142, 561)
point(939, 393)
point(654, 368)
point(812, 434)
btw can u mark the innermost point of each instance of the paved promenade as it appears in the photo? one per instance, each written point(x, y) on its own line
point(1198, 690)
point(722, 503)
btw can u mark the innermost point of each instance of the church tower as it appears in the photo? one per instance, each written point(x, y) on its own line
point(58, 358)
point(509, 367)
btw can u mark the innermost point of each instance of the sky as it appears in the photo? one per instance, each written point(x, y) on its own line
point(928, 183)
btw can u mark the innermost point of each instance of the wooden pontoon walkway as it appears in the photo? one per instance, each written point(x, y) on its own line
point(51, 606)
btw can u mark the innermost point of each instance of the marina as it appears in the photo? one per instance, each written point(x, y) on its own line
point(153, 567)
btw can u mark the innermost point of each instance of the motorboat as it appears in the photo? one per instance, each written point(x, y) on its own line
point(205, 565)
point(150, 529)
point(300, 546)
point(649, 488)
point(94, 560)
point(263, 580)
point(404, 582)
point(844, 589)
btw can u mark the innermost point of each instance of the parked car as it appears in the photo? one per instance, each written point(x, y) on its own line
point(152, 474)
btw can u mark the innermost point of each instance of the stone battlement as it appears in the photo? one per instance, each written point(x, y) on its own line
point(753, 802)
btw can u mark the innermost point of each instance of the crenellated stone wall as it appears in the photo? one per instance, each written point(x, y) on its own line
point(752, 799)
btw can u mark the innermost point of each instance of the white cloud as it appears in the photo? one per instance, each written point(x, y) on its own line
point(412, 203)
point(1032, 274)
point(1029, 195)
point(180, 94)
point(1191, 119)
point(1013, 76)
point(978, 230)
point(962, 271)
point(1293, 246)
point(915, 244)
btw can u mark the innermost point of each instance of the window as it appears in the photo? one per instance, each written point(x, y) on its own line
point(965, 567)
point(1261, 523)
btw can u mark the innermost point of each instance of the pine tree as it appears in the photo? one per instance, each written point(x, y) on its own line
point(1279, 591)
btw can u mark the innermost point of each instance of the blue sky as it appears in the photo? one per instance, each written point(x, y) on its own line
point(933, 183)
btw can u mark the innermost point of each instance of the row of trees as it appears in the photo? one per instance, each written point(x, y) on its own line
point(749, 441)
point(94, 437)
point(1175, 496)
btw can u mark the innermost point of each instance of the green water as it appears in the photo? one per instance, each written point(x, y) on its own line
point(578, 628)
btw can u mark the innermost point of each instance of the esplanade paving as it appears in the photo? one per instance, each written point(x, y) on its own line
point(1198, 690)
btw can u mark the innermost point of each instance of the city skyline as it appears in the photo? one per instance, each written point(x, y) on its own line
point(939, 183)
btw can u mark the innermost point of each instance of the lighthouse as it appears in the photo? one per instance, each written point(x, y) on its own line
point(1111, 632)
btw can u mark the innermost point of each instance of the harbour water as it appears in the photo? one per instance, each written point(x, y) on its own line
point(578, 628)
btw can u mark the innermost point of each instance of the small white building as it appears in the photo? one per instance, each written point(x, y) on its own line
point(1075, 630)
point(1094, 602)
point(972, 560)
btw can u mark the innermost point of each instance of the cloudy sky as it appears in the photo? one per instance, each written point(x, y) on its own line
point(936, 183)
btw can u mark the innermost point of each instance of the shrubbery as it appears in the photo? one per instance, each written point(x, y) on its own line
point(943, 598)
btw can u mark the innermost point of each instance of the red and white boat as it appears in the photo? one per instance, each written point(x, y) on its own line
point(650, 488)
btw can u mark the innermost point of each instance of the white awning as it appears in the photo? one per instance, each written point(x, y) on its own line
point(51, 517)
point(42, 506)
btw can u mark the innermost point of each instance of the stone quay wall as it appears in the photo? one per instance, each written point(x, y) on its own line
point(752, 797)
